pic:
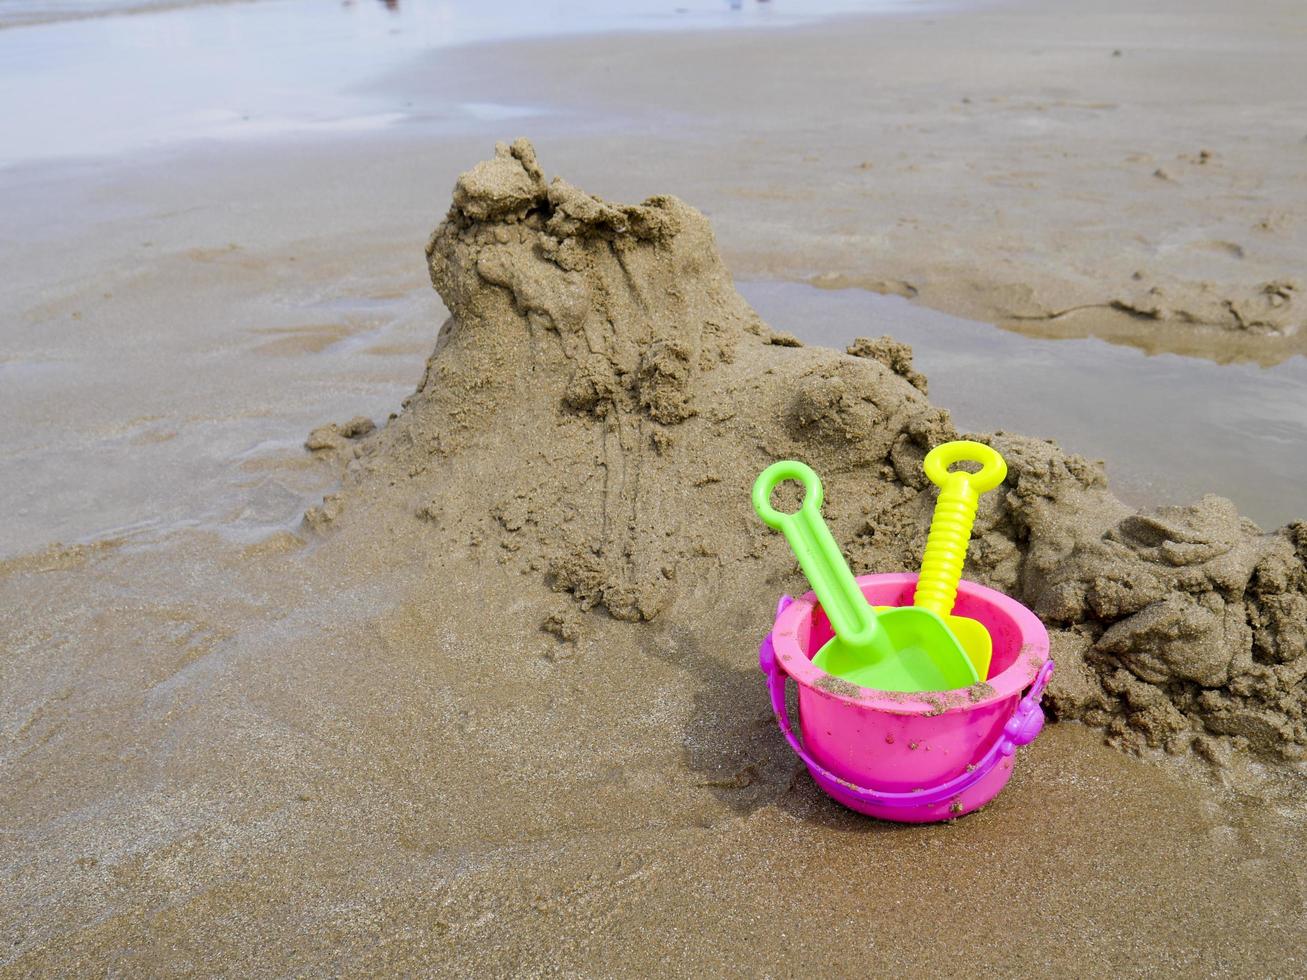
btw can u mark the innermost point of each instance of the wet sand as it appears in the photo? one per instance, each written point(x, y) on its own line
point(1125, 171)
point(232, 745)
point(268, 762)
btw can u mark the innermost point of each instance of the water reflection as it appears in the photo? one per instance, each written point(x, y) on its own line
point(1169, 427)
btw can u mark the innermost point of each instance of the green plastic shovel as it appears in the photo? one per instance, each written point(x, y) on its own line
point(901, 649)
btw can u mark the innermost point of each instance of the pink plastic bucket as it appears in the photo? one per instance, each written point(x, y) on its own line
point(913, 758)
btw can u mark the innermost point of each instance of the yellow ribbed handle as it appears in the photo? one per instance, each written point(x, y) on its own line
point(955, 512)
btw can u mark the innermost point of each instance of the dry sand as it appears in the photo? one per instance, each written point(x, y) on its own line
point(606, 392)
point(478, 714)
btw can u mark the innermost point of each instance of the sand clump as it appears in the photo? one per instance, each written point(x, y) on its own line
point(336, 435)
point(601, 399)
point(1262, 308)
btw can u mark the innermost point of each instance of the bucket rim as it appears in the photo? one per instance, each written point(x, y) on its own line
point(1010, 682)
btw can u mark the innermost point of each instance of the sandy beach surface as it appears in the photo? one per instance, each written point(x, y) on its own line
point(492, 706)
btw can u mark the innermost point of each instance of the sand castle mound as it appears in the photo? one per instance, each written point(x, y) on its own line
point(601, 399)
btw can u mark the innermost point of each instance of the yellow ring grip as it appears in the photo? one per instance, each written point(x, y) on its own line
point(955, 512)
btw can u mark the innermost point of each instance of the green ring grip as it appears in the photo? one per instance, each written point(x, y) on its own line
point(850, 614)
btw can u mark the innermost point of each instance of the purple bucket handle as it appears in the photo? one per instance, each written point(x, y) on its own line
point(1026, 722)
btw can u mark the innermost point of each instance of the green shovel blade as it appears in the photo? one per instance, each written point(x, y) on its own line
point(972, 636)
point(927, 656)
point(904, 649)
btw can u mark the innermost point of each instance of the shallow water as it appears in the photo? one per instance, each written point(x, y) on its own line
point(235, 71)
point(226, 454)
point(207, 430)
point(1169, 427)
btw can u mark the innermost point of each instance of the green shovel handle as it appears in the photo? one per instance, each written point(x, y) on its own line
point(850, 614)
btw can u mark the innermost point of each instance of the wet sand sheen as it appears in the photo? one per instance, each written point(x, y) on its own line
point(251, 69)
point(265, 753)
